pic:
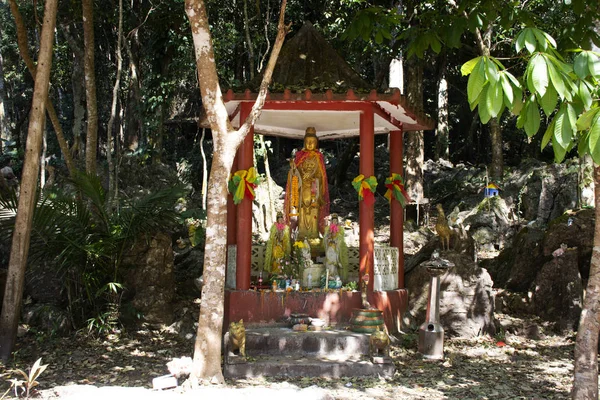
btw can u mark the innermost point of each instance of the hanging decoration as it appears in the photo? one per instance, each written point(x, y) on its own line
point(395, 186)
point(365, 187)
point(242, 184)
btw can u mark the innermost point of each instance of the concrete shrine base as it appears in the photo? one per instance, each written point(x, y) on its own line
point(265, 307)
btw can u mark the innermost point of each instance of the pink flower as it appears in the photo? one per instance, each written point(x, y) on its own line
point(334, 229)
point(280, 226)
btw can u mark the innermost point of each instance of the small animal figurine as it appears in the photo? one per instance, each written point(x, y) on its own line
point(379, 342)
point(442, 228)
point(237, 336)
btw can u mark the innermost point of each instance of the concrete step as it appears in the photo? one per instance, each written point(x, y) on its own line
point(293, 367)
point(277, 351)
point(332, 343)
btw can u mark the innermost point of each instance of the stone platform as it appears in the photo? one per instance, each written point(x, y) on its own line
point(278, 351)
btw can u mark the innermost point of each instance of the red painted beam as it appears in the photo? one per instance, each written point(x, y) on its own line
point(366, 212)
point(396, 210)
point(244, 211)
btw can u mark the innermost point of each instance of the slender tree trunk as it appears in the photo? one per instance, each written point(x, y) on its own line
point(78, 89)
point(207, 348)
point(585, 383)
point(497, 164)
point(4, 124)
point(24, 51)
point(415, 144)
point(134, 123)
point(249, 40)
point(11, 306)
point(113, 111)
point(442, 132)
point(91, 143)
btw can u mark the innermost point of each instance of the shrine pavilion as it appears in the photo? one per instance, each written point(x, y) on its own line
point(336, 116)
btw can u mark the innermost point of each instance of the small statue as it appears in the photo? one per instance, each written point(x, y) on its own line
point(237, 336)
point(379, 342)
point(336, 251)
point(363, 292)
point(442, 228)
point(278, 246)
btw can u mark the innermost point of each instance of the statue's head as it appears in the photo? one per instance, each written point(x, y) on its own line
point(310, 139)
point(280, 217)
point(334, 218)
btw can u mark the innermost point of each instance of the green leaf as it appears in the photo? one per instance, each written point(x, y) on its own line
point(484, 111)
point(491, 70)
point(548, 135)
point(549, 100)
point(507, 88)
point(594, 65)
point(436, 46)
point(517, 103)
point(559, 152)
point(585, 95)
point(541, 39)
point(494, 99)
point(557, 80)
point(580, 65)
point(468, 67)
point(585, 120)
point(537, 79)
point(583, 147)
point(520, 42)
point(594, 141)
point(532, 118)
point(563, 130)
point(529, 40)
point(549, 38)
point(476, 81)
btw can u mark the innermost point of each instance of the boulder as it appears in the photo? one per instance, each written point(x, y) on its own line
point(558, 291)
point(466, 298)
point(47, 318)
point(527, 259)
point(575, 229)
point(151, 279)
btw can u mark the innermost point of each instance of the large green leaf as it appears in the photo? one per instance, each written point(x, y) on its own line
point(537, 79)
point(585, 95)
point(585, 120)
point(549, 100)
point(484, 111)
point(476, 81)
point(541, 39)
point(557, 80)
point(594, 138)
point(594, 65)
point(494, 99)
point(559, 152)
point(580, 65)
point(508, 89)
point(468, 67)
point(529, 40)
point(491, 70)
point(532, 118)
point(548, 135)
point(563, 130)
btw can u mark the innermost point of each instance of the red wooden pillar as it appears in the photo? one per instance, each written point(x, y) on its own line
point(244, 211)
point(366, 212)
point(396, 211)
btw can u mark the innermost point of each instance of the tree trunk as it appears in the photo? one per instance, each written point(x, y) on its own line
point(415, 145)
point(24, 51)
point(113, 112)
point(249, 40)
point(78, 89)
point(271, 213)
point(91, 142)
point(585, 383)
point(497, 164)
point(442, 132)
point(4, 127)
point(207, 348)
point(133, 124)
point(204, 170)
point(11, 306)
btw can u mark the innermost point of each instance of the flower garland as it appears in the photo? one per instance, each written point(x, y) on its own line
point(242, 183)
point(365, 187)
point(395, 186)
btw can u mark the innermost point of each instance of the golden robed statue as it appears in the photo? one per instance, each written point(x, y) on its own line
point(307, 193)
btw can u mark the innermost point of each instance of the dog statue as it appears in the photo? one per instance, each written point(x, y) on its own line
point(379, 342)
point(237, 336)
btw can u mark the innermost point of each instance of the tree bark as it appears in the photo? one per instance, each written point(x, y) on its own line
point(11, 306)
point(585, 382)
point(497, 164)
point(442, 132)
point(133, 119)
point(113, 111)
point(4, 125)
point(24, 51)
point(91, 142)
point(78, 89)
point(271, 213)
point(415, 145)
point(207, 348)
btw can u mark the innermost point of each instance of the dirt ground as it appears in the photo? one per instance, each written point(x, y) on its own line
point(123, 366)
